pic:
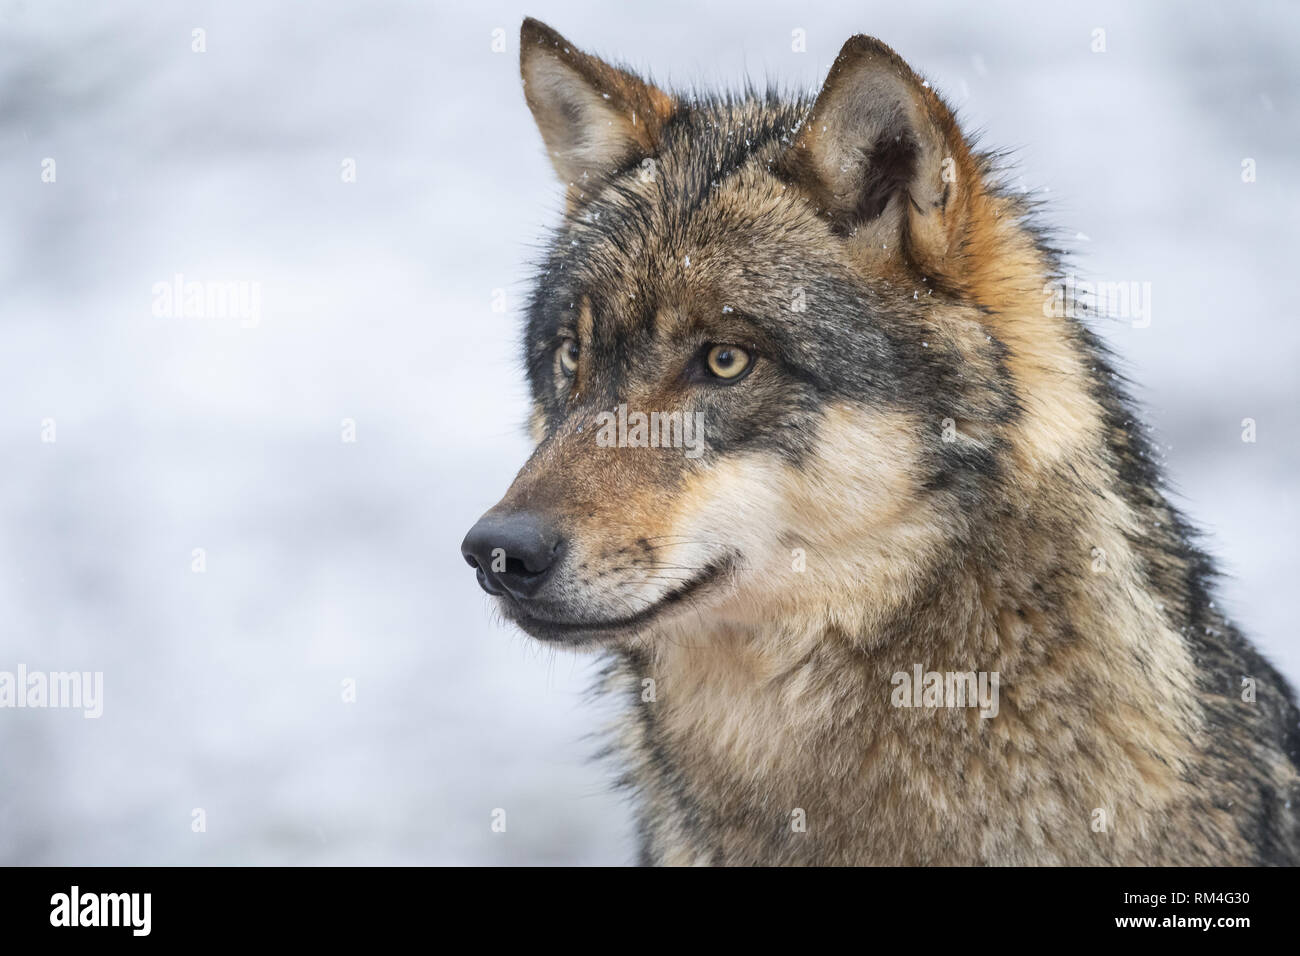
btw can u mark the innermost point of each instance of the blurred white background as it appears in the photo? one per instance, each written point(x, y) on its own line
point(329, 561)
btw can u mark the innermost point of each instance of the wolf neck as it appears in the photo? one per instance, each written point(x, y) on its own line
point(743, 720)
point(743, 728)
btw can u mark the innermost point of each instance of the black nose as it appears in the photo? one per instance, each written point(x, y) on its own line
point(512, 552)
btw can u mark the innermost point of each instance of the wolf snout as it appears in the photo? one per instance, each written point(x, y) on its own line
point(513, 553)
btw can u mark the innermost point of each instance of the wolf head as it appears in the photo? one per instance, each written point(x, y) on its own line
point(774, 351)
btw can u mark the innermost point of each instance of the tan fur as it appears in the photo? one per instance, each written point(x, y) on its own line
point(764, 696)
point(770, 692)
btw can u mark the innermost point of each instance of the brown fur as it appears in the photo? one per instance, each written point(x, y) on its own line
point(950, 490)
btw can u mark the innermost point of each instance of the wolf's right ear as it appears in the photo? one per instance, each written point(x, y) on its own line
point(882, 156)
point(595, 118)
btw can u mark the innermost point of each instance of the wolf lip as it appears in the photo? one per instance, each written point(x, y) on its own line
point(551, 629)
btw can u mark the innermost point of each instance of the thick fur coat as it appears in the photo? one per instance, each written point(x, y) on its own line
point(919, 469)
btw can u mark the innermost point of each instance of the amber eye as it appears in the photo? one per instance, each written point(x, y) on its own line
point(568, 353)
point(727, 362)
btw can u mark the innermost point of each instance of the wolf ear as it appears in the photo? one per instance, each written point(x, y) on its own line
point(595, 118)
point(881, 153)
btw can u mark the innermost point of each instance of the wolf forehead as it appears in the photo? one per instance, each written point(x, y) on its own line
point(694, 217)
point(709, 238)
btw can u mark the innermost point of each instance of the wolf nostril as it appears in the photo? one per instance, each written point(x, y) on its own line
point(512, 552)
point(517, 567)
point(483, 580)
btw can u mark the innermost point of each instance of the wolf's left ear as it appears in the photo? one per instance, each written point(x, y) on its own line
point(595, 118)
point(881, 153)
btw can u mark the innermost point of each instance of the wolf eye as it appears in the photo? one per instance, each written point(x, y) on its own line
point(727, 362)
point(568, 353)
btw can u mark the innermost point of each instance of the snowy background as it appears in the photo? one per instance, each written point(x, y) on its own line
point(329, 561)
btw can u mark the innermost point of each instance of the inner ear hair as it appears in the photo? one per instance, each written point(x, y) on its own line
point(880, 151)
point(595, 119)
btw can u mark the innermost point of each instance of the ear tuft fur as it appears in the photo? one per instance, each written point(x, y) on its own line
point(879, 146)
point(594, 118)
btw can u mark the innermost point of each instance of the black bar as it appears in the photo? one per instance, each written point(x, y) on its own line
point(941, 906)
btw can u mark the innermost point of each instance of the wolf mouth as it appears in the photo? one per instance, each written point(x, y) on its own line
point(549, 629)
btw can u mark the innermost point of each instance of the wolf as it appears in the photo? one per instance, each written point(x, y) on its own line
point(910, 467)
